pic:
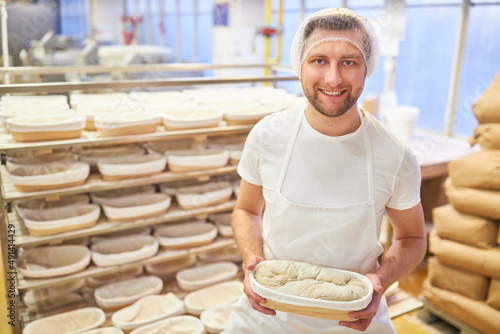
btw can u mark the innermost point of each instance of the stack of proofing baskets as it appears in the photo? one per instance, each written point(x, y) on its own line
point(464, 273)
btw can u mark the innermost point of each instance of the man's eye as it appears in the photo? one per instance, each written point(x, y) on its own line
point(319, 61)
point(349, 62)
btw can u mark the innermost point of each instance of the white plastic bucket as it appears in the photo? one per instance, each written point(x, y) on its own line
point(401, 120)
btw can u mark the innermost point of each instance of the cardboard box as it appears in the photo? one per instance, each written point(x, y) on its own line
point(463, 227)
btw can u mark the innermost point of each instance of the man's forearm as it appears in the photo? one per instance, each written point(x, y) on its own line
point(247, 231)
point(402, 258)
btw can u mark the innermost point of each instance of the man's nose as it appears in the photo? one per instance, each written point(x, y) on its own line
point(333, 75)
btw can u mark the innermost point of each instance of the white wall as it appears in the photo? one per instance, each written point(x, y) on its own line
point(238, 43)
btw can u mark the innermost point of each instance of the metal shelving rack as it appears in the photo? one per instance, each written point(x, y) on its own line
point(9, 219)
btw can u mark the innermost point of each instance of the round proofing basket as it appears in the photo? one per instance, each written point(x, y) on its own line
point(326, 309)
point(168, 269)
point(144, 230)
point(211, 193)
point(148, 310)
point(215, 318)
point(51, 261)
point(101, 197)
point(38, 296)
point(92, 155)
point(24, 207)
point(124, 292)
point(248, 115)
point(135, 207)
point(218, 294)
point(39, 178)
point(188, 235)
point(104, 330)
point(54, 158)
point(126, 167)
point(36, 128)
point(97, 281)
point(58, 220)
point(122, 250)
point(193, 160)
point(75, 321)
point(198, 117)
point(126, 124)
point(199, 277)
point(223, 223)
point(190, 324)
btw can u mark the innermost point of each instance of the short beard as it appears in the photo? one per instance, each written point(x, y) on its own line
point(341, 111)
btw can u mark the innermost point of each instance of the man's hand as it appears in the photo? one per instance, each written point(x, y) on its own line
point(254, 299)
point(364, 317)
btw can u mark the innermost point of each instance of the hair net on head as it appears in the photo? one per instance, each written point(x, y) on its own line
point(345, 25)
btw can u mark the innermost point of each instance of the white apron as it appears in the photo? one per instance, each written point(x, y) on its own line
point(337, 237)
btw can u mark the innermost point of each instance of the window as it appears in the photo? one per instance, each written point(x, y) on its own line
point(74, 18)
point(480, 63)
point(424, 65)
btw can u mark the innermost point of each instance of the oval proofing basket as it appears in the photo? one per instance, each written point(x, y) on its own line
point(318, 308)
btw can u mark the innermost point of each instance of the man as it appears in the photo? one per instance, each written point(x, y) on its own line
point(325, 173)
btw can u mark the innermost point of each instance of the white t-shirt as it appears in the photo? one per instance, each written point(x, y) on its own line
point(330, 171)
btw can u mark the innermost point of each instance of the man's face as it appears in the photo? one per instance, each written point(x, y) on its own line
point(333, 74)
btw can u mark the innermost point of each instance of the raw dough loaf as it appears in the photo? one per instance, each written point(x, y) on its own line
point(310, 281)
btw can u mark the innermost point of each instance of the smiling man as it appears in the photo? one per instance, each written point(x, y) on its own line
point(317, 179)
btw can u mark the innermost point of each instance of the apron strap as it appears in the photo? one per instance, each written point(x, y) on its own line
point(369, 159)
point(288, 153)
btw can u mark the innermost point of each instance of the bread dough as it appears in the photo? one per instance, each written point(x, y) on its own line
point(310, 281)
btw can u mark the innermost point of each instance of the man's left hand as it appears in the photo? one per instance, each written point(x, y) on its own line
point(364, 317)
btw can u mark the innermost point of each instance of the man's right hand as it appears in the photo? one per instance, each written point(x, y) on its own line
point(254, 299)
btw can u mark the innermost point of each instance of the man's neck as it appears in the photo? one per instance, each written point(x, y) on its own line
point(349, 122)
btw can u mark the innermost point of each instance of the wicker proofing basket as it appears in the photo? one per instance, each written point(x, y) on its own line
point(325, 309)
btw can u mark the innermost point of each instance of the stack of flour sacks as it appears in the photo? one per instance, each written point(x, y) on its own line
point(464, 273)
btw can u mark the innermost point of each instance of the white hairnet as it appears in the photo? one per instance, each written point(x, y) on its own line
point(346, 26)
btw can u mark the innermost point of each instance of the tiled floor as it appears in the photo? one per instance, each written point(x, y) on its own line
point(410, 323)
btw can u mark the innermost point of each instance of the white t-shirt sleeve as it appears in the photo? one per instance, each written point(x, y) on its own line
point(248, 167)
point(407, 184)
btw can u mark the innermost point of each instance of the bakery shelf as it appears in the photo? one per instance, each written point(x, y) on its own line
point(174, 214)
point(94, 271)
point(59, 87)
point(36, 70)
point(91, 138)
point(96, 183)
